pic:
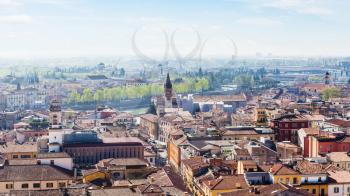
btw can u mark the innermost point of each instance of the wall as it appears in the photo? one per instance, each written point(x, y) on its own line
point(66, 163)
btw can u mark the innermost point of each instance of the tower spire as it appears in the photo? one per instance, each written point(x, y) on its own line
point(168, 88)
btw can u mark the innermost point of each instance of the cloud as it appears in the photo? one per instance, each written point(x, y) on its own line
point(6, 3)
point(16, 19)
point(317, 11)
point(299, 6)
point(259, 21)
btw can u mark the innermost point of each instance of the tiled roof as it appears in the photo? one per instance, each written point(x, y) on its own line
point(339, 122)
point(227, 182)
point(13, 148)
point(195, 163)
point(166, 177)
point(339, 157)
point(150, 117)
point(311, 131)
point(279, 169)
point(306, 167)
point(339, 176)
point(270, 190)
point(34, 173)
point(122, 162)
point(218, 98)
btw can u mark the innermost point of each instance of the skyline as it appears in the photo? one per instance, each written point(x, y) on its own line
point(63, 28)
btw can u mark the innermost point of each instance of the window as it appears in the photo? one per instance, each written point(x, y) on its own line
point(61, 184)
point(336, 190)
point(36, 185)
point(349, 189)
point(287, 180)
point(15, 156)
point(306, 179)
point(319, 179)
point(52, 162)
point(38, 162)
point(25, 186)
point(9, 186)
point(313, 191)
point(49, 185)
point(25, 156)
point(295, 180)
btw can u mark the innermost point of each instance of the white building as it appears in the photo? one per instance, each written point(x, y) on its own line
point(60, 159)
point(339, 183)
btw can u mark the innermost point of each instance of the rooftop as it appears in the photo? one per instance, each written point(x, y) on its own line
point(339, 122)
point(34, 173)
point(339, 176)
point(306, 167)
point(15, 148)
point(339, 156)
point(279, 169)
point(226, 182)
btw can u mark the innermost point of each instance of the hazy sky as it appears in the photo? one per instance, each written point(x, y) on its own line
point(58, 28)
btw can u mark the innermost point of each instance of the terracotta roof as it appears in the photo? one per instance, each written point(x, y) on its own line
point(339, 176)
point(13, 148)
point(150, 189)
point(122, 162)
point(226, 182)
point(218, 98)
point(150, 117)
point(195, 163)
point(306, 167)
point(166, 177)
point(279, 169)
point(311, 131)
point(339, 157)
point(242, 152)
point(339, 122)
point(268, 190)
point(34, 173)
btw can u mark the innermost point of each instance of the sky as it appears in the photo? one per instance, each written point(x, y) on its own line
point(68, 28)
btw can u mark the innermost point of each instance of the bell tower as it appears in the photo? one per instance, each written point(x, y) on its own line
point(55, 115)
point(168, 88)
point(327, 78)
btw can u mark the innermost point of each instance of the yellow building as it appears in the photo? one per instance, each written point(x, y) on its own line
point(224, 184)
point(314, 177)
point(284, 174)
point(261, 118)
point(190, 169)
point(94, 174)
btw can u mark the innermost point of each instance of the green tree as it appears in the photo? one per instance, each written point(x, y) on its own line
point(152, 109)
point(87, 96)
point(122, 72)
point(329, 93)
point(74, 97)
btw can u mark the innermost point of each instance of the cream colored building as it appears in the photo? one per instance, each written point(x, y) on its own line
point(20, 154)
point(33, 177)
point(340, 159)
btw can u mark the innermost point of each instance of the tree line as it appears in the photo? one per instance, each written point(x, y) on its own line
point(132, 92)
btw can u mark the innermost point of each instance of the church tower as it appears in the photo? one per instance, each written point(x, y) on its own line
point(55, 115)
point(168, 88)
point(327, 78)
